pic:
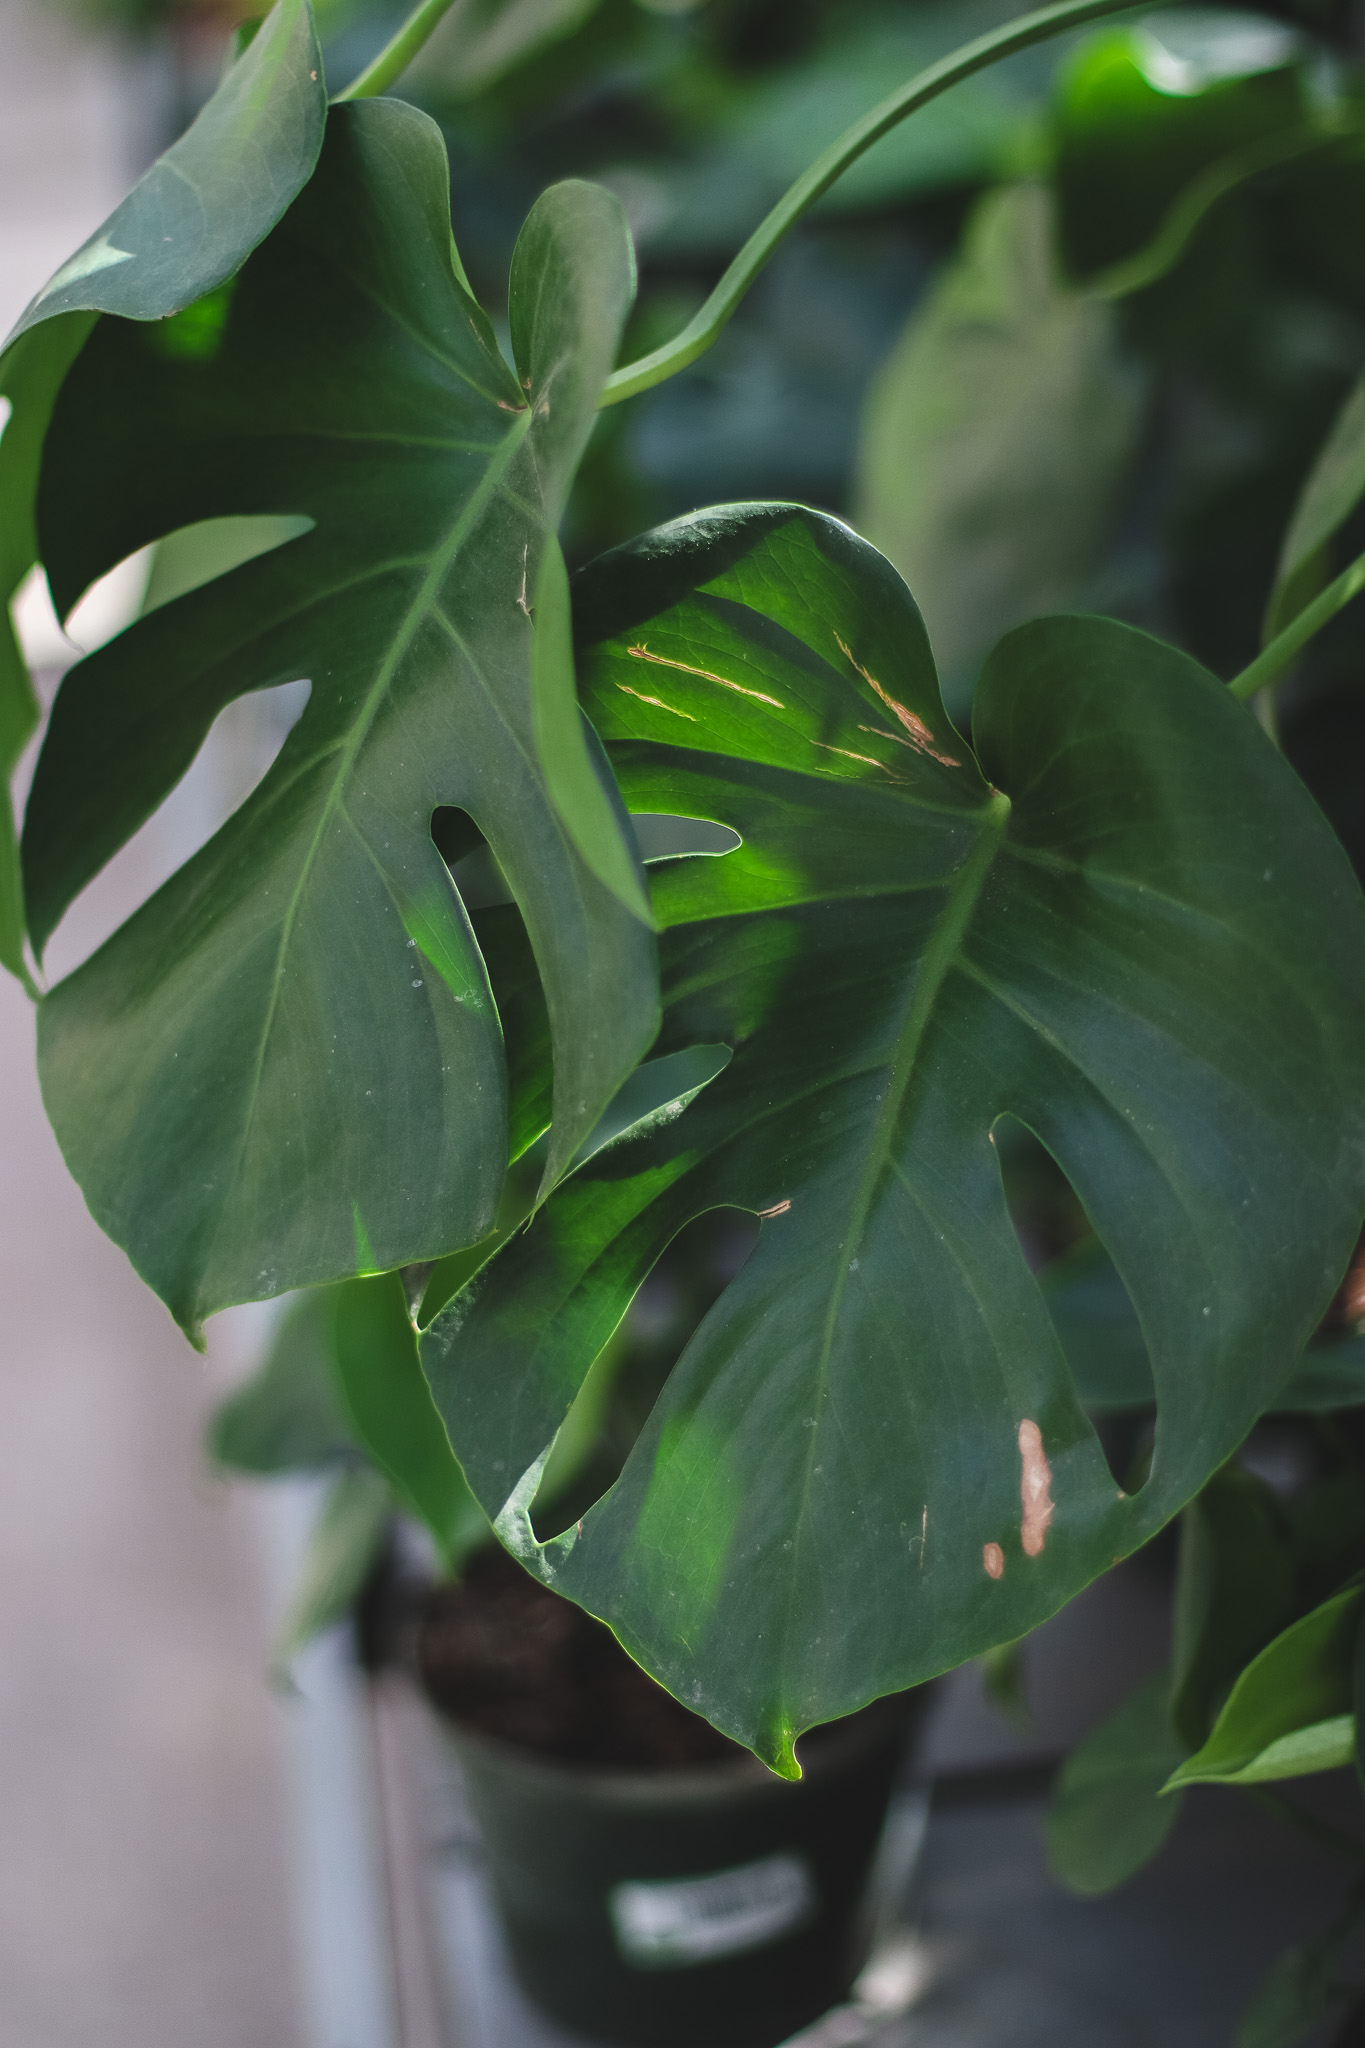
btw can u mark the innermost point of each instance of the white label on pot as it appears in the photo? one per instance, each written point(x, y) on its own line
point(676, 1921)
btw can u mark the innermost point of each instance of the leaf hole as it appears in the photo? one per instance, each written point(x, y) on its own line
point(1090, 1308)
point(237, 753)
point(143, 582)
point(473, 865)
point(661, 836)
point(657, 1091)
point(625, 1381)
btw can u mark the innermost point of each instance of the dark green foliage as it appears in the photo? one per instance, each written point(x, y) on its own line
point(298, 1030)
point(1081, 932)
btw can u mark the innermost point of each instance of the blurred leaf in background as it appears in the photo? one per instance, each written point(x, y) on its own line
point(996, 440)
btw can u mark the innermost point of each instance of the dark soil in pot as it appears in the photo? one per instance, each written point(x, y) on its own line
point(658, 1886)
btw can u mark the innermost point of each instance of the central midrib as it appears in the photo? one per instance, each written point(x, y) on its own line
point(422, 602)
point(939, 957)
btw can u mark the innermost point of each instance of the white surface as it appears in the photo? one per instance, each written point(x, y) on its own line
point(145, 1890)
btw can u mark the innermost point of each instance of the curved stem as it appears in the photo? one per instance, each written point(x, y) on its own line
point(394, 59)
point(702, 330)
point(1274, 660)
point(1198, 199)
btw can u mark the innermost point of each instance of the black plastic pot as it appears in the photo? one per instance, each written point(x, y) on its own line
point(711, 1907)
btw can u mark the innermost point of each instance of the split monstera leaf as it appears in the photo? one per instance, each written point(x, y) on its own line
point(1120, 921)
point(1115, 917)
point(288, 1065)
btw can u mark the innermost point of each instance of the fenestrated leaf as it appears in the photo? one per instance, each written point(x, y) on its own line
point(1291, 1711)
point(184, 228)
point(1106, 1818)
point(1128, 927)
point(287, 1067)
point(1335, 486)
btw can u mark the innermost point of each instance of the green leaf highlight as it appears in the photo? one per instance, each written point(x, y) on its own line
point(1075, 928)
point(1291, 1711)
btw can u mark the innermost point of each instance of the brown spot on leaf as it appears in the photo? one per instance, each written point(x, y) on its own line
point(849, 755)
point(993, 1557)
point(920, 736)
point(657, 702)
point(707, 675)
point(1035, 1490)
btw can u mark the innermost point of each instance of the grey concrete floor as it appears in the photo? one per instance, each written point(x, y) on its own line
point(144, 1878)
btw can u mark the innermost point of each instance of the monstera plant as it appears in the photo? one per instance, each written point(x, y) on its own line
point(776, 937)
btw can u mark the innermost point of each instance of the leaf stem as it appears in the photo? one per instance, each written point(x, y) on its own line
point(1200, 197)
point(396, 55)
point(704, 327)
point(1272, 662)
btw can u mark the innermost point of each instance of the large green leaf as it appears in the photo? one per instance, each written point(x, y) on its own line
point(995, 440)
point(1291, 1711)
point(185, 227)
point(1106, 1818)
point(1127, 926)
point(288, 1067)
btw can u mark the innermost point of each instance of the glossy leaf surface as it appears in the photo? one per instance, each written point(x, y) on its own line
point(186, 226)
point(1128, 927)
point(1106, 1819)
point(1291, 1711)
point(288, 1067)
